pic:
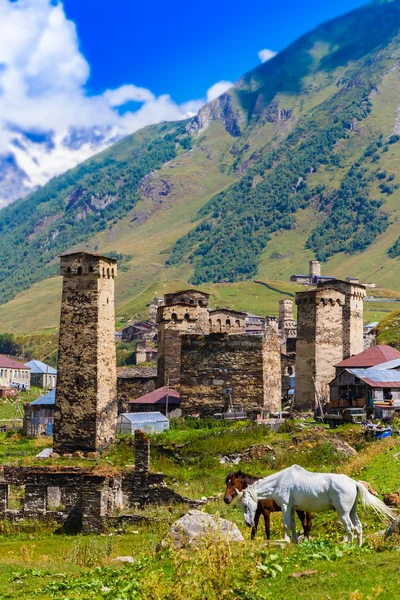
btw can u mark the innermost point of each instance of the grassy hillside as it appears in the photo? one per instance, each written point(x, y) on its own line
point(300, 159)
point(389, 329)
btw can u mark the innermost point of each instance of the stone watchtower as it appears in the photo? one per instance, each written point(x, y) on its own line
point(315, 269)
point(319, 343)
point(353, 314)
point(184, 312)
point(86, 395)
point(286, 320)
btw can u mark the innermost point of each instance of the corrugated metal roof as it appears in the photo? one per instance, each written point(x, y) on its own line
point(37, 367)
point(48, 399)
point(378, 377)
point(158, 396)
point(148, 417)
point(9, 363)
point(391, 364)
point(375, 355)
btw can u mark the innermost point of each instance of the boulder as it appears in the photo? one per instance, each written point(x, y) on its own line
point(124, 559)
point(342, 446)
point(77, 454)
point(197, 524)
point(54, 455)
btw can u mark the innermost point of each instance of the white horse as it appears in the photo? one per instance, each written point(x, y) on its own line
point(295, 488)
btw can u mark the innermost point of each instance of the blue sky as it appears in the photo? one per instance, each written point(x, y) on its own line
point(77, 75)
point(183, 48)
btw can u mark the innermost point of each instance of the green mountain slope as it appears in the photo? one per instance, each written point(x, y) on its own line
point(300, 159)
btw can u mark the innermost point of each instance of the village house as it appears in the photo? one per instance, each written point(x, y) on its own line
point(372, 357)
point(13, 374)
point(144, 353)
point(164, 399)
point(360, 387)
point(255, 325)
point(133, 382)
point(42, 375)
point(144, 330)
point(39, 415)
point(314, 275)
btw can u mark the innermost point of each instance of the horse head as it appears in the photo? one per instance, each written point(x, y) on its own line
point(234, 484)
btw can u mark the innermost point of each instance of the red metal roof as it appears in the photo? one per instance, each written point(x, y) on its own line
point(381, 384)
point(158, 396)
point(9, 363)
point(375, 355)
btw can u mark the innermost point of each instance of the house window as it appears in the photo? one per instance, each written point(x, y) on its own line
point(79, 271)
point(387, 394)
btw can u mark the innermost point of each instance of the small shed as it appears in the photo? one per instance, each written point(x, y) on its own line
point(149, 422)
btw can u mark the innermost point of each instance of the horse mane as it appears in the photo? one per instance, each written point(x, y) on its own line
point(248, 479)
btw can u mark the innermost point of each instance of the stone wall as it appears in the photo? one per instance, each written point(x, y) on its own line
point(91, 497)
point(248, 364)
point(86, 396)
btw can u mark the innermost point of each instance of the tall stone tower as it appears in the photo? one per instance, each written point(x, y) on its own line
point(286, 319)
point(183, 312)
point(86, 395)
point(319, 346)
point(353, 314)
point(315, 269)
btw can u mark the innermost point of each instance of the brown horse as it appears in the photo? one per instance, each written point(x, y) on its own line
point(238, 481)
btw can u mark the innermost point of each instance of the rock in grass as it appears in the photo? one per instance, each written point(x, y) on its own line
point(124, 559)
point(195, 525)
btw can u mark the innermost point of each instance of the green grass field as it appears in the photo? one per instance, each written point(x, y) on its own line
point(36, 562)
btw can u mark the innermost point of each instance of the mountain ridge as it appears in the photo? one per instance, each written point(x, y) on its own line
point(222, 197)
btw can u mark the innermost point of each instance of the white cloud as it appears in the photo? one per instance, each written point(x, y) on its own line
point(217, 89)
point(42, 79)
point(266, 54)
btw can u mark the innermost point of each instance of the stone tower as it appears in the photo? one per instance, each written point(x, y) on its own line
point(86, 395)
point(320, 320)
point(286, 321)
point(315, 269)
point(353, 314)
point(184, 312)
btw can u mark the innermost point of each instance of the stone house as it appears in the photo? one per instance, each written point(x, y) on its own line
point(13, 373)
point(42, 375)
point(255, 325)
point(133, 382)
point(144, 330)
point(225, 320)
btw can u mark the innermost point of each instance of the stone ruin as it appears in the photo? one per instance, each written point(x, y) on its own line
point(86, 499)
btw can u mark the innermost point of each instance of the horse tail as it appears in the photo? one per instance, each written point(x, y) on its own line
point(370, 501)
